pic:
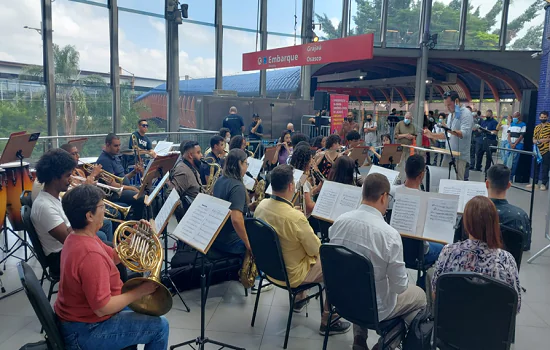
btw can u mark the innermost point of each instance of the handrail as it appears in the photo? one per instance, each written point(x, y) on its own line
point(187, 132)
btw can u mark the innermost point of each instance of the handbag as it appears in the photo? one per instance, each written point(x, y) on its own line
point(420, 332)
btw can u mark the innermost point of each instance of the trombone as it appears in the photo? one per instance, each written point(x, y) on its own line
point(109, 190)
point(104, 175)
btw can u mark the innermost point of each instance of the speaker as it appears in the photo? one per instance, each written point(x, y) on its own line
point(529, 116)
point(320, 100)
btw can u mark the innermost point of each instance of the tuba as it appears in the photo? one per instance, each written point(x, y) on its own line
point(215, 172)
point(140, 250)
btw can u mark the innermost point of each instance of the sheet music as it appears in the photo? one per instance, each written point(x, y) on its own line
point(165, 212)
point(405, 212)
point(465, 189)
point(297, 174)
point(163, 147)
point(441, 218)
point(155, 192)
point(254, 168)
point(390, 174)
point(336, 199)
point(202, 221)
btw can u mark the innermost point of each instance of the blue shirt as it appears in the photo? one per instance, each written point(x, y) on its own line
point(516, 130)
point(112, 164)
point(259, 130)
point(490, 124)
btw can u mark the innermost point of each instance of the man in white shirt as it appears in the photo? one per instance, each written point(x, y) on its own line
point(54, 170)
point(365, 231)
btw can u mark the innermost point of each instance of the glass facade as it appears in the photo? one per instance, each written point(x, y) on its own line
point(328, 16)
point(235, 43)
point(525, 25)
point(445, 23)
point(365, 18)
point(483, 25)
point(403, 23)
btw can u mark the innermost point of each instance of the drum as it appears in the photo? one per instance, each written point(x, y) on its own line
point(18, 179)
point(3, 196)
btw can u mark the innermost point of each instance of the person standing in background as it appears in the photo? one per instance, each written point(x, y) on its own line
point(516, 132)
point(502, 128)
point(234, 122)
point(440, 143)
point(477, 143)
point(369, 128)
point(256, 133)
point(143, 142)
point(404, 134)
point(541, 137)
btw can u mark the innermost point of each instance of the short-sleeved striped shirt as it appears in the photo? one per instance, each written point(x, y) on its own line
point(542, 131)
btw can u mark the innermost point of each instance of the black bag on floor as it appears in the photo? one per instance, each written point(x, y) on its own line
point(420, 332)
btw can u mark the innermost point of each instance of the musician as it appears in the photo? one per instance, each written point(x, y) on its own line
point(460, 121)
point(319, 143)
point(217, 151)
point(226, 135)
point(283, 150)
point(256, 132)
point(353, 138)
point(237, 142)
point(325, 159)
point(90, 304)
point(143, 141)
point(301, 160)
point(365, 231)
point(73, 151)
point(343, 171)
point(232, 238)
point(299, 244)
point(109, 159)
point(386, 140)
point(54, 170)
point(185, 176)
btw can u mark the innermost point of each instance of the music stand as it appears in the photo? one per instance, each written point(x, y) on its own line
point(390, 154)
point(359, 154)
point(269, 154)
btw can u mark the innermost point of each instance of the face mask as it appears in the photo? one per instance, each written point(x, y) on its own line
point(457, 111)
point(350, 120)
point(369, 119)
point(514, 120)
point(440, 121)
point(227, 139)
point(406, 121)
point(543, 120)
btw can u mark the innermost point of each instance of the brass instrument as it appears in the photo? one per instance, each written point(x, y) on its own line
point(299, 198)
point(215, 172)
point(140, 250)
point(109, 190)
point(116, 208)
point(249, 271)
point(104, 175)
point(259, 190)
point(135, 148)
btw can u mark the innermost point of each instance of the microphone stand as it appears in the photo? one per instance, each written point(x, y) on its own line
point(452, 163)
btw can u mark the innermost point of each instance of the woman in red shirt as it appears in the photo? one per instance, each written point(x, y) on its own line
point(89, 304)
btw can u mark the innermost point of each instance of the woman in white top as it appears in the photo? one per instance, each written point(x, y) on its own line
point(502, 127)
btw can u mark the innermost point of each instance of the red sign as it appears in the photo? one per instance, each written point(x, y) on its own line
point(338, 109)
point(352, 48)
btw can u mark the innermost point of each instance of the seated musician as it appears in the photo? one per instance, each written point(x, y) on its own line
point(90, 305)
point(319, 143)
point(110, 161)
point(143, 142)
point(217, 147)
point(365, 231)
point(237, 142)
point(324, 160)
point(226, 135)
point(54, 170)
point(483, 251)
point(232, 238)
point(301, 160)
point(185, 177)
point(386, 140)
point(415, 168)
point(299, 244)
point(343, 171)
point(283, 150)
point(353, 138)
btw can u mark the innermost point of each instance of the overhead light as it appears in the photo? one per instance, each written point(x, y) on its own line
point(361, 77)
point(314, 38)
point(429, 81)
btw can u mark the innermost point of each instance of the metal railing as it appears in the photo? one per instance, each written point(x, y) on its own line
point(314, 130)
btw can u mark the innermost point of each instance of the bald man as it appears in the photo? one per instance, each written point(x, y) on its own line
point(290, 128)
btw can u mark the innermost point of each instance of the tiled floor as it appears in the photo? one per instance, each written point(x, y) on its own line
point(229, 312)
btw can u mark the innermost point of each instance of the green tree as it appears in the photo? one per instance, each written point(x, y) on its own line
point(531, 39)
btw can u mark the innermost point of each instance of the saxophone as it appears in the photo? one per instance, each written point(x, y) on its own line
point(259, 191)
point(215, 172)
point(249, 271)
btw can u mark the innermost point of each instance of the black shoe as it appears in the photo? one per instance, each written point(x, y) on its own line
point(478, 169)
point(359, 343)
point(472, 168)
point(339, 327)
point(299, 306)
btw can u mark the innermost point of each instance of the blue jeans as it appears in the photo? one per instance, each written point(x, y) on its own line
point(503, 153)
point(124, 329)
point(107, 229)
point(429, 259)
point(235, 247)
point(515, 161)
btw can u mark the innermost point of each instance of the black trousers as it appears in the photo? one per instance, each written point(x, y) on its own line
point(486, 150)
point(477, 156)
point(138, 205)
point(545, 168)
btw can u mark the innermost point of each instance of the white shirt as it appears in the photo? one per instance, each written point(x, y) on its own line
point(365, 232)
point(46, 214)
point(370, 137)
point(504, 129)
point(464, 123)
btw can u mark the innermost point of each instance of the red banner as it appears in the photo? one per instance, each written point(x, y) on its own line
point(353, 48)
point(338, 109)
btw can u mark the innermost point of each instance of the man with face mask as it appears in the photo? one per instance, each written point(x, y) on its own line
point(185, 176)
point(370, 131)
point(488, 130)
point(460, 121)
point(348, 125)
point(541, 138)
point(365, 231)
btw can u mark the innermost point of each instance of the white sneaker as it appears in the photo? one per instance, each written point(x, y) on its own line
point(529, 186)
point(265, 288)
point(543, 188)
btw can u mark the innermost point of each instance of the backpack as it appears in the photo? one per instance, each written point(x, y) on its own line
point(420, 332)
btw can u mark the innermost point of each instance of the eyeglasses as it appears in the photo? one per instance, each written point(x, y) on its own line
point(145, 125)
point(389, 195)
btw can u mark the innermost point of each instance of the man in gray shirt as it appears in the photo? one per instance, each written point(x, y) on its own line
point(460, 121)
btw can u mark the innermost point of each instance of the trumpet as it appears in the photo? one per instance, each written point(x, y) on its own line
point(116, 208)
point(109, 190)
point(104, 175)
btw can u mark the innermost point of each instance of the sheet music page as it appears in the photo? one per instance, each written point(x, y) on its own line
point(404, 217)
point(326, 200)
point(163, 147)
point(202, 221)
point(390, 174)
point(465, 189)
point(348, 199)
point(254, 168)
point(474, 189)
point(441, 217)
point(157, 189)
point(164, 214)
point(297, 174)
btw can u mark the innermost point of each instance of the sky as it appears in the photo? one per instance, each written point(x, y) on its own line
point(142, 39)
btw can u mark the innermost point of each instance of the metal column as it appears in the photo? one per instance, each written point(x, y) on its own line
point(307, 21)
point(384, 23)
point(422, 72)
point(115, 63)
point(49, 71)
point(263, 44)
point(462, 24)
point(172, 75)
point(219, 44)
point(481, 93)
point(345, 18)
point(504, 25)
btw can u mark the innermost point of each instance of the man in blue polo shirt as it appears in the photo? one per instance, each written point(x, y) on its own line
point(110, 161)
point(488, 131)
point(234, 122)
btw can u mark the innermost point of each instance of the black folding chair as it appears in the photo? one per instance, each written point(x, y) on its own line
point(413, 254)
point(269, 260)
point(323, 228)
point(351, 293)
point(513, 242)
point(488, 307)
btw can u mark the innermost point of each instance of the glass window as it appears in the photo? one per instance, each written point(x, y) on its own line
point(446, 23)
point(329, 15)
point(403, 23)
point(151, 6)
point(284, 16)
point(483, 25)
point(525, 26)
point(197, 51)
point(277, 41)
point(235, 43)
point(365, 18)
point(241, 13)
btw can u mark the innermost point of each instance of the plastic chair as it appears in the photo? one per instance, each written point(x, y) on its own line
point(351, 293)
point(513, 242)
point(478, 301)
point(269, 260)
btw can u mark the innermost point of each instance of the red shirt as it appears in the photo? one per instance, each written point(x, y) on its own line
point(89, 278)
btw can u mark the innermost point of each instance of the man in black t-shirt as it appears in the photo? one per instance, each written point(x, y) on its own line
point(256, 133)
point(234, 122)
point(143, 141)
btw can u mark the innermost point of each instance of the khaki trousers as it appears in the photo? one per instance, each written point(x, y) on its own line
point(315, 275)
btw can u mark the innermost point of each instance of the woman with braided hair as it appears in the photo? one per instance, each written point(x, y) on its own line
point(301, 160)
